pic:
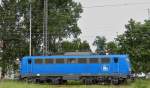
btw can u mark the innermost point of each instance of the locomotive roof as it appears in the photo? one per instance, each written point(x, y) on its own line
point(77, 56)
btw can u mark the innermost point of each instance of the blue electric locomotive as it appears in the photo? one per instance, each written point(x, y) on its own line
point(87, 68)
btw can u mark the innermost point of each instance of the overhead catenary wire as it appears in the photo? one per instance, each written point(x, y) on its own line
point(99, 6)
point(118, 5)
point(107, 5)
point(111, 5)
point(63, 33)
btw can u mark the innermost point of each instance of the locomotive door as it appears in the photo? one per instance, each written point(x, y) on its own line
point(105, 66)
point(29, 67)
point(115, 65)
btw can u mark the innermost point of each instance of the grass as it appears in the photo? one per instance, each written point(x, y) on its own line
point(19, 84)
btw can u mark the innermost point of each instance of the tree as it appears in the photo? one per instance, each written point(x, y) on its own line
point(112, 47)
point(85, 46)
point(62, 22)
point(14, 27)
point(100, 43)
point(136, 42)
point(14, 44)
point(75, 45)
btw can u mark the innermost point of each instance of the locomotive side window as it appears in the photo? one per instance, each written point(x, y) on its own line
point(48, 61)
point(82, 60)
point(29, 61)
point(105, 60)
point(60, 61)
point(69, 61)
point(115, 60)
point(38, 61)
point(93, 60)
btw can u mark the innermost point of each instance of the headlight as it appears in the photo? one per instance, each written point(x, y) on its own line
point(127, 59)
point(37, 74)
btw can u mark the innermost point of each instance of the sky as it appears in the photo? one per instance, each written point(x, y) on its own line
point(108, 17)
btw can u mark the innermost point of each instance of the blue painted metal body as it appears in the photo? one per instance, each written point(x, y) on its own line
point(123, 66)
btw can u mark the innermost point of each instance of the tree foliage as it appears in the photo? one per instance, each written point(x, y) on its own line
point(14, 44)
point(75, 45)
point(14, 27)
point(136, 42)
point(62, 22)
point(112, 47)
point(103, 47)
point(100, 43)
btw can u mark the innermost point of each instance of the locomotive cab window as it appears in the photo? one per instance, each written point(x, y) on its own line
point(29, 61)
point(116, 60)
point(105, 60)
point(38, 61)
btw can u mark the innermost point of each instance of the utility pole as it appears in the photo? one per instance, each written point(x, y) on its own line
point(30, 47)
point(148, 14)
point(43, 46)
point(45, 30)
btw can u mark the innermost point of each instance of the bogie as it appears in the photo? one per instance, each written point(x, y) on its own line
point(84, 80)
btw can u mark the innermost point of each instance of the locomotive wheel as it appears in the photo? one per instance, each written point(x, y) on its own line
point(37, 80)
point(88, 81)
point(107, 82)
point(115, 81)
point(94, 81)
point(57, 81)
point(64, 81)
point(29, 80)
point(124, 81)
point(25, 79)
